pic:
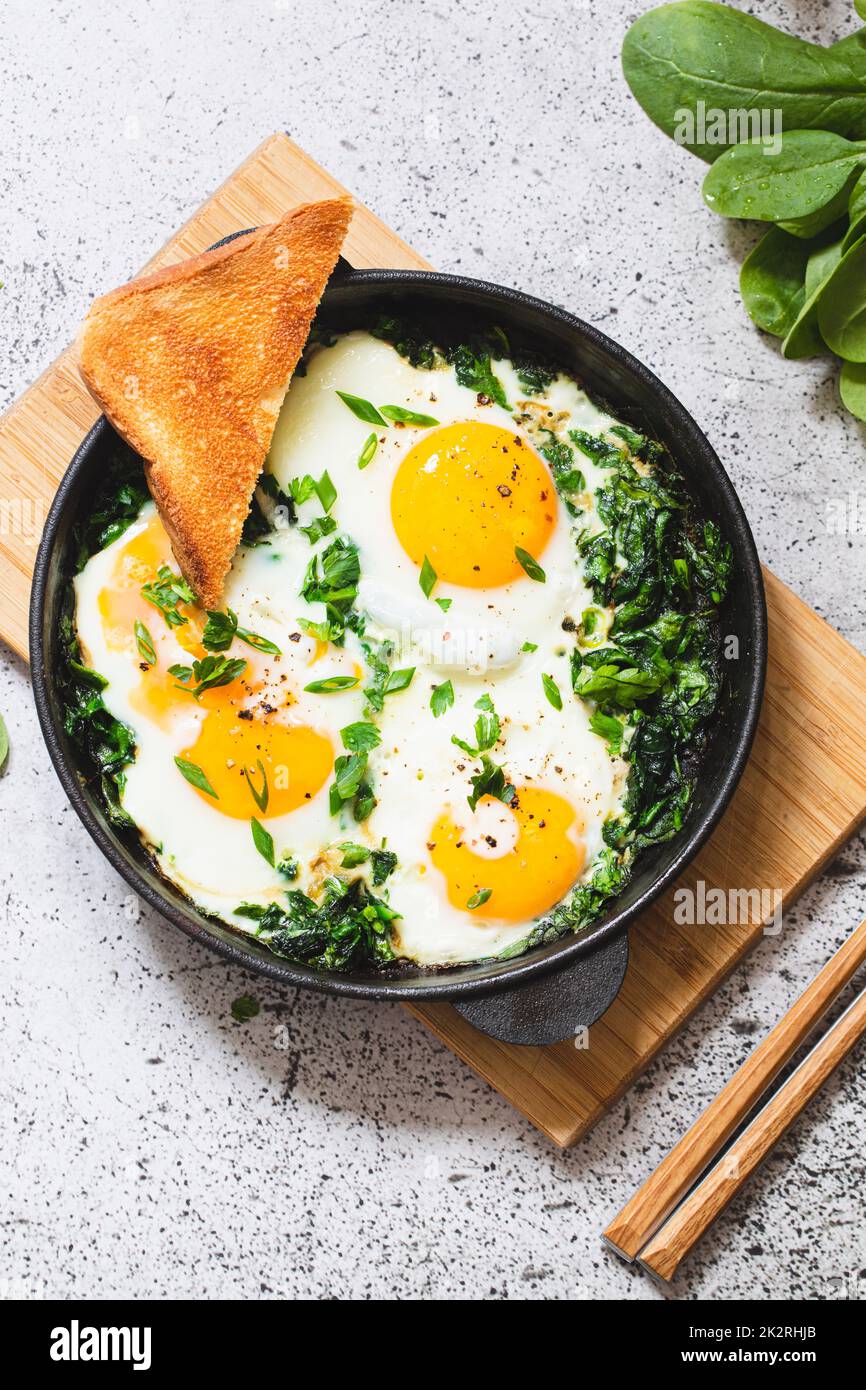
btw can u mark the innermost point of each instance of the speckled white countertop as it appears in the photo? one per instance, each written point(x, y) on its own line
point(153, 1147)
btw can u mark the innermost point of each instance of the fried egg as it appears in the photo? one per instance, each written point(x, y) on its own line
point(468, 578)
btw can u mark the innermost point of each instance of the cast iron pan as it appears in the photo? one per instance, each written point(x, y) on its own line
point(544, 996)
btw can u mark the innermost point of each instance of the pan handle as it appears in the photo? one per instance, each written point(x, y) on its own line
point(554, 1008)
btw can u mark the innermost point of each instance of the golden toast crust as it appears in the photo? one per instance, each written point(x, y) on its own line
point(191, 365)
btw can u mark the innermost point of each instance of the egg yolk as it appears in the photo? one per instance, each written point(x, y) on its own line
point(465, 496)
point(295, 760)
point(296, 763)
point(535, 872)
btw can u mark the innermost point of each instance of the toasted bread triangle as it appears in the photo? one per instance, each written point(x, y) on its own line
point(191, 365)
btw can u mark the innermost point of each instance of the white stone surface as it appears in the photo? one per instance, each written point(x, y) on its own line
point(152, 1146)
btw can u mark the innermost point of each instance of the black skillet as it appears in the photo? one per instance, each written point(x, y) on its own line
point(546, 995)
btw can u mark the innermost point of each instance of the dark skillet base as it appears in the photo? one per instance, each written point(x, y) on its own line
point(569, 982)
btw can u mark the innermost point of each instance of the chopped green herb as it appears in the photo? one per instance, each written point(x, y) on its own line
point(320, 526)
point(360, 737)
point(331, 684)
point(144, 642)
point(166, 592)
point(260, 797)
point(4, 743)
point(490, 781)
point(368, 452)
point(427, 578)
point(262, 840)
point(479, 899)
point(441, 698)
point(444, 603)
point(244, 1008)
point(326, 492)
point(529, 647)
point(353, 855)
point(399, 680)
point(487, 729)
point(350, 784)
point(532, 567)
point(302, 489)
point(401, 416)
point(608, 727)
point(363, 409)
point(214, 671)
point(193, 774)
point(551, 690)
point(260, 644)
point(219, 630)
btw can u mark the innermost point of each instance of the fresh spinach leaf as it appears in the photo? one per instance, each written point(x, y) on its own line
point(811, 169)
point(842, 305)
point(772, 281)
point(678, 55)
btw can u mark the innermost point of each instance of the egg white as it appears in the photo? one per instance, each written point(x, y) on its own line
point(480, 644)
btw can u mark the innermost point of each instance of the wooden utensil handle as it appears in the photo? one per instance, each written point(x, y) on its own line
point(666, 1251)
point(644, 1213)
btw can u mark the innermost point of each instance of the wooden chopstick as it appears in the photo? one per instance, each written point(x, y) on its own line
point(669, 1247)
point(645, 1212)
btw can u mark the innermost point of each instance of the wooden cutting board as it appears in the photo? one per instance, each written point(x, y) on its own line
point(802, 795)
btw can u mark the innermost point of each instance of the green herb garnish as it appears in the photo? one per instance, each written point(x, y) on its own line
point(210, 673)
point(166, 592)
point(532, 567)
point(551, 690)
point(441, 698)
point(368, 452)
point(479, 898)
point(144, 642)
point(360, 737)
point(490, 781)
point(364, 410)
point(487, 729)
point(194, 775)
point(399, 680)
point(427, 578)
point(331, 684)
point(260, 796)
point(263, 841)
point(401, 416)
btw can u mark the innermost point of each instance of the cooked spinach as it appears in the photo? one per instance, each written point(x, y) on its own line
point(106, 745)
point(473, 368)
point(349, 928)
point(410, 341)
